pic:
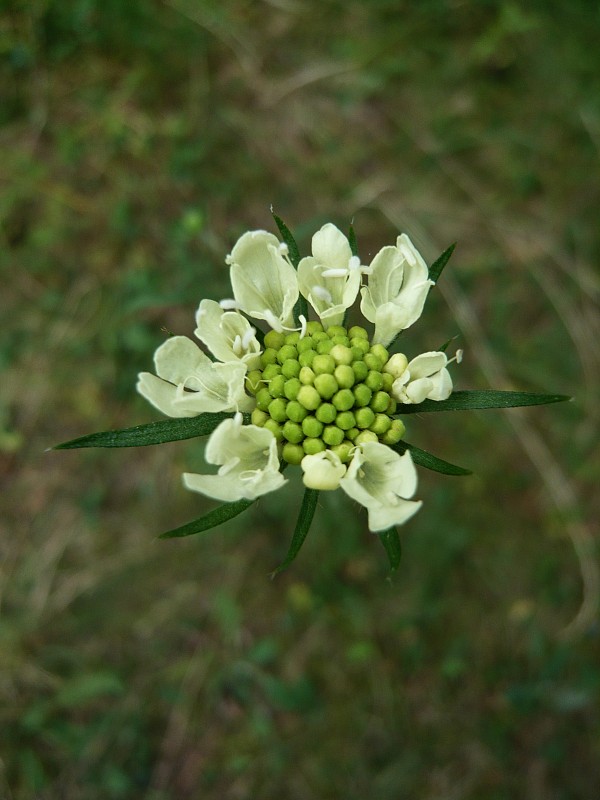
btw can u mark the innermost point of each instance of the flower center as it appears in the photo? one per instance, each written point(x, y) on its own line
point(325, 390)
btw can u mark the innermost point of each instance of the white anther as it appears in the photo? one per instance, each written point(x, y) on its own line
point(354, 263)
point(229, 305)
point(237, 345)
point(284, 249)
point(272, 320)
point(247, 338)
point(303, 324)
point(321, 293)
point(459, 356)
point(334, 273)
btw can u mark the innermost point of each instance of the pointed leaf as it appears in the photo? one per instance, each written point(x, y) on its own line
point(429, 461)
point(166, 430)
point(391, 542)
point(435, 270)
point(352, 240)
point(484, 398)
point(286, 235)
point(217, 516)
point(305, 518)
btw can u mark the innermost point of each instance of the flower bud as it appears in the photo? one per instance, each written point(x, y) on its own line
point(364, 417)
point(274, 340)
point(292, 453)
point(309, 397)
point(326, 413)
point(290, 368)
point(277, 410)
point(292, 432)
point(295, 412)
point(326, 385)
point(313, 446)
point(366, 436)
point(312, 427)
point(323, 364)
point(396, 365)
point(332, 435)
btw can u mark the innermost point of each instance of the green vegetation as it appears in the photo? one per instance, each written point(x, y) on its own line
point(138, 140)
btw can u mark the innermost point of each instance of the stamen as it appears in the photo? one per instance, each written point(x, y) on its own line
point(284, 249)
point(334, 273)
point(303, 324)
point(354, 263)
point(272, 320)
point(237, 345)
point(321, 293)
point(459, 356)
point(229, 305)
point(247, 338)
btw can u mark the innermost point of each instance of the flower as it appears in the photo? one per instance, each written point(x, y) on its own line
point(322, 470)
point(330, 278)
point(265, 285)
point(423, 378)
point(189, 383)
point(383, 481)
point(249, 463)
point(227, 334)
point(397, 289)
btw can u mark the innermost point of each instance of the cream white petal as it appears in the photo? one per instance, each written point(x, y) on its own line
point(264, 283)
point(418, 390)
point(426, 364)
point(177, 358)
point(227, 334)
point(383, 517)
point(379, 477)
point(322, 471)
point(249, 466)
point(330, 247)
point(329, 296)
point(161, 395)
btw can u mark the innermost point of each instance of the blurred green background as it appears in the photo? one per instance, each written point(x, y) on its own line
point(139, 138)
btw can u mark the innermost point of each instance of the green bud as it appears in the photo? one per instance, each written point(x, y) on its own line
point(343, 451)
point(343, 340)
point(292, 453)
point(394, 433)
point(326, 386)
point(295, 411)
point(364, 417)
point(332, 435)
point(287, 351)
point(388, 381)
point(381, 424)
point(307, 376)
point(292, 432)
point(380, 401)
point(294, 338)
point(344, 375)
point(270, 371)
point(325, 346)
point(360, 370)
point(276, 385)
point(362, 344)
point(268, 356)
point(312, 427)
point(263, 398)
point(309, 397)
point(305, 344)
point(305, 358)
point(373, 362)
point(381, 353)
point(277, 409)
point(374, 380)
point(336, 330)
point(290, 368)
point(356, 332)
point(259, 417)
point(362, 395)
point(343, 400)
point(352, 434)
point(275, 429)
point(319, 336)
point(392, 407)
point(345, 420)
point(312, 446)
point(253, 381)
point(366, 436)
point(291, 388)
point(274, 340)
point(322, 364)
point(341, 354)
point(312, 327)
point(326, 413)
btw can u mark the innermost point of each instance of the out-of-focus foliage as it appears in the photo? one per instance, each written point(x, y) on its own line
point(138, 140)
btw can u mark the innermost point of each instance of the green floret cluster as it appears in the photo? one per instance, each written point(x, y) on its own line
point(324, 391)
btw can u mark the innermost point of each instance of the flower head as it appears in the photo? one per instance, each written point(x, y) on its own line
point(423, 378)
